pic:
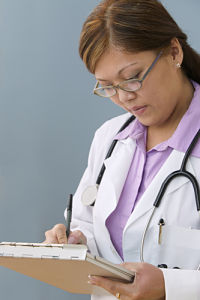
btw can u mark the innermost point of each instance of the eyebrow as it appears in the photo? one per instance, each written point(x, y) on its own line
point(120, 71)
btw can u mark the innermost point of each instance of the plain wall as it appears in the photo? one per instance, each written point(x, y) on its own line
point(48, 116)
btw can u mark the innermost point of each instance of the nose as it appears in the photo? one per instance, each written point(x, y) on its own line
point(125, 96)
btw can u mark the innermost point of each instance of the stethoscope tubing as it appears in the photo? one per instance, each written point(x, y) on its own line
point(167, 181)
point(110, 151)
point(181, 172)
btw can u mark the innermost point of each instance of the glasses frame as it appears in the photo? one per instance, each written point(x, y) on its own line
point(118, 86)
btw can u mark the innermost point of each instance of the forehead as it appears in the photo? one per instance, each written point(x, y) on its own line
point(115, 60)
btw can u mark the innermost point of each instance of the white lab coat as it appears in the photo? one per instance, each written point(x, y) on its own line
point(180, 246)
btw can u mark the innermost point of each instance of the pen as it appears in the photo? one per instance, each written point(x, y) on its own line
point(69, 213)
point(161, 224)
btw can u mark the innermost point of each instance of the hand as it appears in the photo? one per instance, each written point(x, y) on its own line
point(148, 283)
point(57, 235)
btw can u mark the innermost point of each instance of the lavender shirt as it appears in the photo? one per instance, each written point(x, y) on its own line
point(148, 164)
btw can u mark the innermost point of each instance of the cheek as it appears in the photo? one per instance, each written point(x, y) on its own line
point(116, 101)
point(158, 94)
point(160, 84)
point(160, 106)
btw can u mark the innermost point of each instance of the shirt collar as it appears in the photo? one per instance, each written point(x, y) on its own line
point(137, 132)
point(188, 126)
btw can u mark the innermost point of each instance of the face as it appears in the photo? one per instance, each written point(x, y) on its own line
point(159, 98)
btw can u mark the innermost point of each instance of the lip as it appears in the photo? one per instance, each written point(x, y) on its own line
point(138, 110)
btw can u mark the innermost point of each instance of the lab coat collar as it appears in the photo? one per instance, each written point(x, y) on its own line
point(117, 167)
point(118, 164)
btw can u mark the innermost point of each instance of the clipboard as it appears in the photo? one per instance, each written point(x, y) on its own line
point(64, 266)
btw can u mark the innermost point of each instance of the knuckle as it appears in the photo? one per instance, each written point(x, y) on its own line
point(62, 240)
point(47, 233)
point(61, 236)
point(59, 227)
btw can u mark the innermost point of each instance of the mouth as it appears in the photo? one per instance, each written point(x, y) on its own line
point(138, 110)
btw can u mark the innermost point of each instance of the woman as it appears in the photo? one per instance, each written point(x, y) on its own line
point(143, 63)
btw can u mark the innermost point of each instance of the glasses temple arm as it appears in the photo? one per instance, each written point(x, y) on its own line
point(154, 62)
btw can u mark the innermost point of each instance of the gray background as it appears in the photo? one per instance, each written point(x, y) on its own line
point(47, 120)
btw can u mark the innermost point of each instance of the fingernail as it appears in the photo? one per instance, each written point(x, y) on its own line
point(71, 240)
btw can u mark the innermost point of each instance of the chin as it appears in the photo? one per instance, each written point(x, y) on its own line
point(146, 122)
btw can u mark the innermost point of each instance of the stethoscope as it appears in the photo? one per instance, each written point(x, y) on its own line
point(90, 193)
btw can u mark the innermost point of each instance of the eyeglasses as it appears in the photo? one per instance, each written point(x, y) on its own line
point(130, 85)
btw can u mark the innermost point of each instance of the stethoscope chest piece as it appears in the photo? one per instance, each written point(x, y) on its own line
point(89, 195)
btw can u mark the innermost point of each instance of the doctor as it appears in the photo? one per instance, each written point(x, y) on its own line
point(143, 63)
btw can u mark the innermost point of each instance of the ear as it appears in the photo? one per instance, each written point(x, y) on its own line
point(176, 52)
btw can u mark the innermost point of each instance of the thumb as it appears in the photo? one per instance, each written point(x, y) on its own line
point(77, 237)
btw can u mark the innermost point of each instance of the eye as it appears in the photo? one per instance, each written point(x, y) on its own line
point(104, 85)
point(135, 76)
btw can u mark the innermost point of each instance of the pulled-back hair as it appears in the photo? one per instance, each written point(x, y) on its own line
point(133, 26)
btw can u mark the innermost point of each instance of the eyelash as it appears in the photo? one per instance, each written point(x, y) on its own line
point(136, 76)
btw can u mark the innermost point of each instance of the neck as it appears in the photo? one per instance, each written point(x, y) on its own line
point(162, 132)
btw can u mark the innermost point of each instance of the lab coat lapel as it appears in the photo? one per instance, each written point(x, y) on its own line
point(117, 167)
point(145, 203)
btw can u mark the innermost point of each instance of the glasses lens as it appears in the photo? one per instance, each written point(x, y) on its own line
point(131, 85)
point(105, 92)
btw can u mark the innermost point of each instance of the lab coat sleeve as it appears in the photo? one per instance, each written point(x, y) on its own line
point(82, 216)
point(182, 284)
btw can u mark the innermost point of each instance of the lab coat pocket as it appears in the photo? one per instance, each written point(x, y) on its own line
point(178, 246)
point(181, 237)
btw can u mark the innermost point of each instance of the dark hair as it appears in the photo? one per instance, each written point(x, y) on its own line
point(133, 26)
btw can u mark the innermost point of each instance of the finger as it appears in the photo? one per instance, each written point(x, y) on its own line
point(50, 238)
point(113, 287)
point(77, 237)
point(60, 233)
